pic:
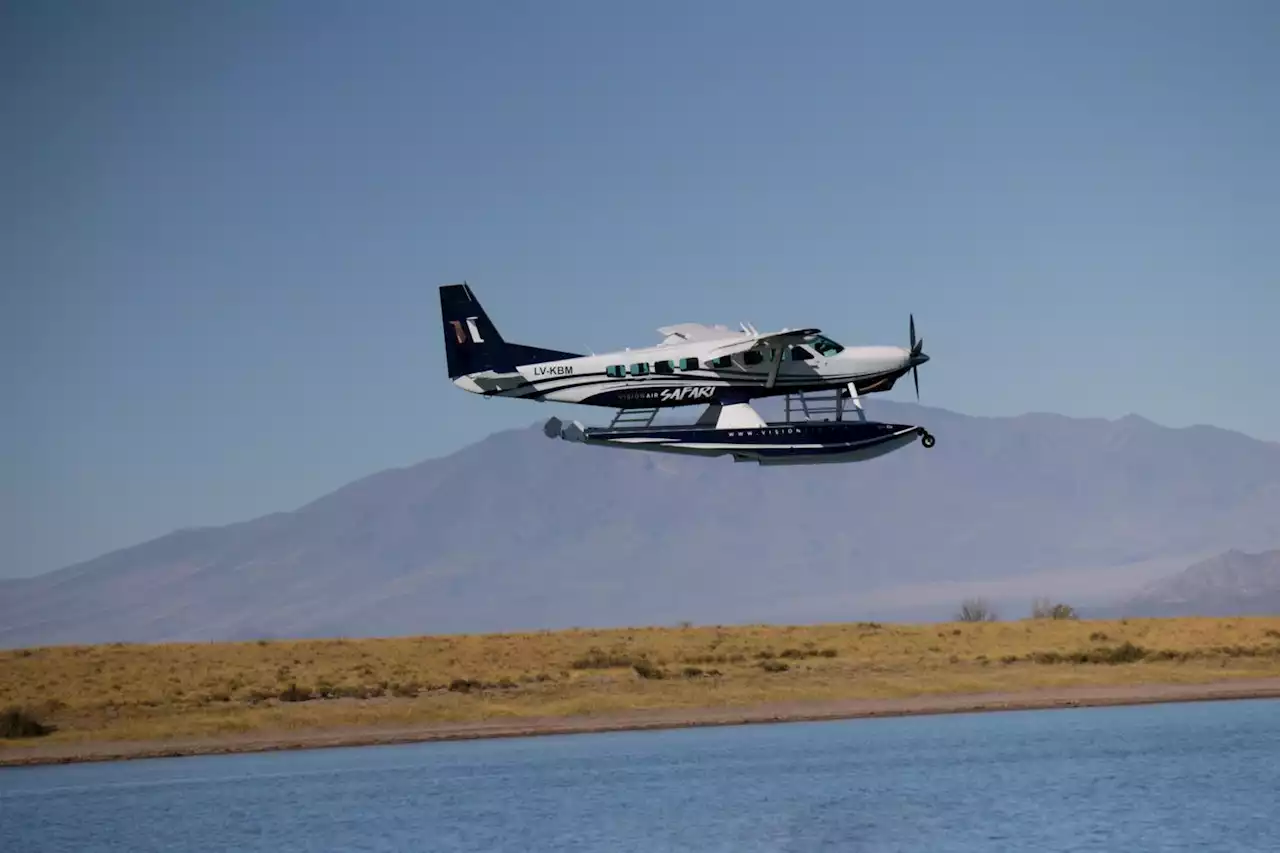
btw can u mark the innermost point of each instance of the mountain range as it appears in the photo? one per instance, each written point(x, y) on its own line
point(518, 532)
point(1230, 584)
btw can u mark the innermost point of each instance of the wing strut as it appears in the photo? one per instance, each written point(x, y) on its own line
point(775, 352)
point(857, 401)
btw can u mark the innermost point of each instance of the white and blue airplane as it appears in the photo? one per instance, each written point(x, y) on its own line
point(694, 364)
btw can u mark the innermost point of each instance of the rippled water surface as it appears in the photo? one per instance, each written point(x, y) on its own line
point(1194, 777)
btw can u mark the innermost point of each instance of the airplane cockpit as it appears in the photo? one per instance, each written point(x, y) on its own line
point(825, 346)
point(820, 344)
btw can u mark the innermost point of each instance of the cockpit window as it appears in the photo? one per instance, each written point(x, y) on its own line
point(825, 346)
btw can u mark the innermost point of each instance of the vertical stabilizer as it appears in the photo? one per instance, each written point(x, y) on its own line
point(472, 343)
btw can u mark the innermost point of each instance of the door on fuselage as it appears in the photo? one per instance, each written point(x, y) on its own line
point(798, 361)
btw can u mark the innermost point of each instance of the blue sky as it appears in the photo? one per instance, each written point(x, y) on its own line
point(224, 224)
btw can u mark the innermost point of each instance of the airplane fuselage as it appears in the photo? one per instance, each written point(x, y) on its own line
point(682, 374)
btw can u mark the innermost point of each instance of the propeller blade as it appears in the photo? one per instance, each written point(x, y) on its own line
point(916, 346)
point(916, 343)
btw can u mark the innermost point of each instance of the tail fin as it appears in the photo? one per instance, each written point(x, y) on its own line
point(471, 342)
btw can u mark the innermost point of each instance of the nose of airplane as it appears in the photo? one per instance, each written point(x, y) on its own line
point(877, 358)
point(904, 357)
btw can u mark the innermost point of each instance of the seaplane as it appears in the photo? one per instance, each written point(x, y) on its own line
point(695, 364)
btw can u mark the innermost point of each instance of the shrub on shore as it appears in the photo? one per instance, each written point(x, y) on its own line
point(18, 723)
point(1043, 608)
point(645, 669)
point(1128, 652)
point(976, 610)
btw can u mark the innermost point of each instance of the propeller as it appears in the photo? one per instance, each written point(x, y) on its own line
point(917, 357)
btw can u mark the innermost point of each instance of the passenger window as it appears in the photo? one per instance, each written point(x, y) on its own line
point(664, 367)
point(688, 364)
point(721, 362)
point(615, 370)
point(798, 353)
point(639, 369)
point(753, 356)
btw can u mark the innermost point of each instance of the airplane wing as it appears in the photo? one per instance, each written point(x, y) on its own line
point(765, 341)
point(682, 333)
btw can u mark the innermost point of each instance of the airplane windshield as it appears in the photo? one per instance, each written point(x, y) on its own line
point(824, 345)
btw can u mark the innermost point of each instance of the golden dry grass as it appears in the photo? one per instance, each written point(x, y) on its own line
point(157, 692)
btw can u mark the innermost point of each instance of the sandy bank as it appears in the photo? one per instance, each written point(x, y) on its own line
point(1071, 697)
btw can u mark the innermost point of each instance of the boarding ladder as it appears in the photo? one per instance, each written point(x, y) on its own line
point(633, 417)
point(820, 403)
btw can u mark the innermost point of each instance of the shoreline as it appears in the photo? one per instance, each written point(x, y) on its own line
point(34, 754)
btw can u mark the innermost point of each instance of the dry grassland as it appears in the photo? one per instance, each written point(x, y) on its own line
point(160, 692)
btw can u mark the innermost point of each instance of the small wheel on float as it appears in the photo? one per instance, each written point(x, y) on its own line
point(927, 440)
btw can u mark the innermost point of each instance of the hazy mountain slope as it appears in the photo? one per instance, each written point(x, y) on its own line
point(519, 531)
point(1232, 584)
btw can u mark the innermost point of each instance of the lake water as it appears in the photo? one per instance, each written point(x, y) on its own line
point(1195, 777)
